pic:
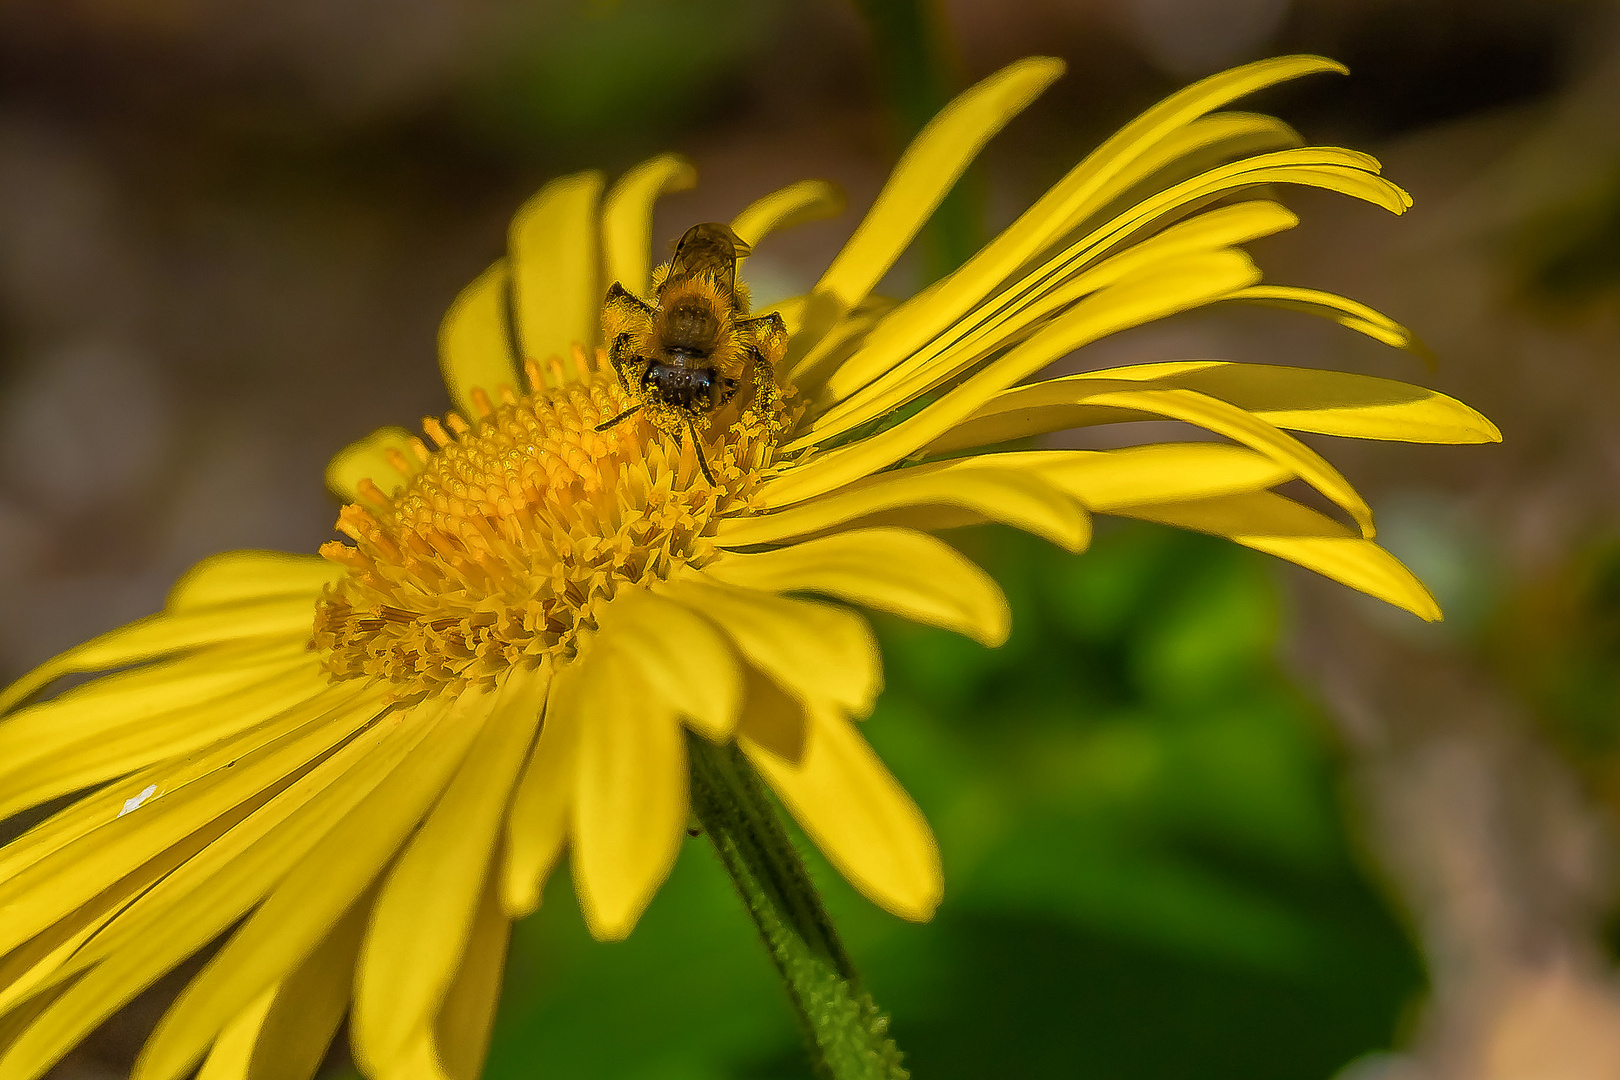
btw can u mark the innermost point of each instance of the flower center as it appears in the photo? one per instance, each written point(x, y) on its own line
point(512, 531)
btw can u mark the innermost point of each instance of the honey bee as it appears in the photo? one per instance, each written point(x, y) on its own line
point(683, 357)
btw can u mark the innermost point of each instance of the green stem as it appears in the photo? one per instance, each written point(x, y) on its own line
point(845, 1031)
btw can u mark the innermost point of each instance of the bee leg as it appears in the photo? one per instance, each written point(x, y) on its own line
point(604, 425)
point(766, 395)
point(621, 306)
point(697, 448)
point(728, 390)
point(618, 354)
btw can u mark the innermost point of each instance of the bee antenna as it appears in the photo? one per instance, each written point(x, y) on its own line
point(697, 448)
point(604, 425)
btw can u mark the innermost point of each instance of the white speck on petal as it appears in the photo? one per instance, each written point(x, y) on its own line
point(135, 802)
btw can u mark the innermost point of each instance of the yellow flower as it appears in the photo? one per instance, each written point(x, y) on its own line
point(533, 606)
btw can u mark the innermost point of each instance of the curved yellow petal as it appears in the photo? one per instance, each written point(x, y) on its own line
point(317, 891)
point(1083, 191)
point(627, 219)
point(1203, 144)
point(1324, 402)
point(1240, 426)
point(700, 677)
point(807, 200)
point(475, 350)
point(125, 722)
point(852, 807)
point(423, 917)
point(816, 652)
point(261, 622)
point(1033, 301)
point(232, 1055)
point(234, 576)
point(1279, 526)
point(1331, 168)
point(1011, 496)
point(1298, 399)
point(557, 287)
point(377, 458)
point(926, 172)
point(1104, 480)
point(537, 824)
point(1164, 290)
point(1342, 310)
point(203, 896)
point(840, 341)
point(899, 570)
point(171, 779)
point(285, 1034)
point(630, 807)
point(49, 887)
point(464, 1023)
point(50, 961)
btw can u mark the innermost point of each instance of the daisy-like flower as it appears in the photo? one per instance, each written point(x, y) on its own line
point(356, 770)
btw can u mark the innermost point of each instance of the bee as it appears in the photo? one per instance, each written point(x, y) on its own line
point(683, 357)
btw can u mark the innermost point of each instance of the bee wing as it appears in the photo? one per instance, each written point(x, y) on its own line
point(709, 248)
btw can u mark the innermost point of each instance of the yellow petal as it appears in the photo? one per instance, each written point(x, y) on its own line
point(1206, 142)
point(234, 576)
point(423, 917)
point(630, 809)
point(377, 456)
point(814, 651)
point(51, 886)
point(171, 778)
point(700, 679)
point(925, 174)
point(464, 1023)
point(807, 200)
point(1233, 422)
point(557, 280)
point(1299, 399)
point(1328, 167)
point(1346, 312)
point(202, 897)
point(266, 621)
point(1086, 189)
point(909, 573)
point(627, 218)
point(1009, 496)
point(1177, 286)
point(14, 1022)
point(1279, 526)
point(310, 899)
point(50, 961)
point(421, 1061)
point(1323, 402)
point(1104, 480)
point(896, 378)
point(844, 798)
point(475, 351)
point(232, 1055)
point(285, 1034)
point(537, 825)
point(124, 722)
point(837, 345)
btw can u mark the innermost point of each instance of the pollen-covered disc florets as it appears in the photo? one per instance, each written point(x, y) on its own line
point(512, 531)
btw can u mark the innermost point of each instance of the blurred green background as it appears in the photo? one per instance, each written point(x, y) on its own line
point(1200, 817)
point(1148, 874)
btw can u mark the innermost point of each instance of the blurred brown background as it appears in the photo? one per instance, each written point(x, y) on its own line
point(228, 231)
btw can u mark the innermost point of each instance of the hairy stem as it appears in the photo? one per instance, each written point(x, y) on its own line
point(846, 1033)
